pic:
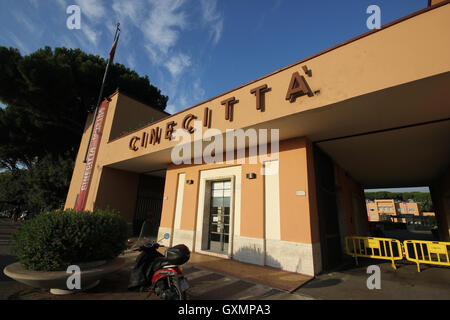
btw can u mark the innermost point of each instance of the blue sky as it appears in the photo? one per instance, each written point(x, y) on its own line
point(195, 49)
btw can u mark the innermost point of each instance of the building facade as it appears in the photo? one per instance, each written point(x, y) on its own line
point(288, 193)
point(396, 210)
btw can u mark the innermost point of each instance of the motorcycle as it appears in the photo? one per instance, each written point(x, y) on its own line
point(24, 216)
point(161, 274)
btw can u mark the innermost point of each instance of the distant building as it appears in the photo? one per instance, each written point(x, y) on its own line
point(380, 210)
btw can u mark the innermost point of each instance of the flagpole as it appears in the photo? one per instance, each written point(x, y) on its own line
point(101, 92)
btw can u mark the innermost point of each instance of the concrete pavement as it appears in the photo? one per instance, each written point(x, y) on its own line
point(205, 285)
point(348, 283)
point(405, 283)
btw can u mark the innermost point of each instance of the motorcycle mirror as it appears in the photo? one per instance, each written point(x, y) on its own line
point(166, 236)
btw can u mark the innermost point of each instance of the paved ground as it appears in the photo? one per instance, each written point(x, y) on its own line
point(403, 235)
point(347, 283)
point(405, 283)
point(433, 283)
point(205, 285)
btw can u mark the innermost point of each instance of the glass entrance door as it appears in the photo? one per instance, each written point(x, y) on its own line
point(219, 218)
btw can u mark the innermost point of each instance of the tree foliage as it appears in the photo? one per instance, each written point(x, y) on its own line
point(48, 95)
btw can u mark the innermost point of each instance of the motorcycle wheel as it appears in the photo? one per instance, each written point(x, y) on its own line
point(170, 290)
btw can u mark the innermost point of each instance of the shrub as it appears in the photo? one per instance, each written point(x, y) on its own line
point(54, 240)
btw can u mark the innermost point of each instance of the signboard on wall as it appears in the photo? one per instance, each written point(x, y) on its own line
point(92, 155)
point(298, 87)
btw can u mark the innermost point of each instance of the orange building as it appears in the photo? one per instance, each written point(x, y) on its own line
point(397, 211)
point(288, 206)
point(428, 214)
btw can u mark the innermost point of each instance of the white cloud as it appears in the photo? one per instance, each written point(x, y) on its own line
point(154, 56)
point(128, 13)
point(132, 11)
point(153, 28)
point(19, 44)
point(176, 64)
point(112, 29)
point(92, 9)
point(62, 3)
point(171, 109)
point(161, 29)
point(90, 34)
point(26, 22)
point(198, 92)
point(213, 18)
point(131, 61)
point(68, 42)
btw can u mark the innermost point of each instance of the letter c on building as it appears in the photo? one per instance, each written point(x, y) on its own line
point(133, 143)
point(187, 123)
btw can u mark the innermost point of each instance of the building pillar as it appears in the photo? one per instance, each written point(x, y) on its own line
point(440, 194)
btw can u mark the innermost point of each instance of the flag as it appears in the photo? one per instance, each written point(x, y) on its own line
point(110, 61)
point(113, 49)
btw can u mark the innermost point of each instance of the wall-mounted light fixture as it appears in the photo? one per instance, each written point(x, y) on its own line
point(189, 181)
point(251, 176)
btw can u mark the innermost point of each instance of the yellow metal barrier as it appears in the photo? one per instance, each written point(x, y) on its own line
point(428, 252)
point(375, 248)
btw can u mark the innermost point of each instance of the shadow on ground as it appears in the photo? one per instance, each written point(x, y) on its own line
point(5, 260)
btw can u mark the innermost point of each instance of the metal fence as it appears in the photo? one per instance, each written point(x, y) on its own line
point(375, 248)
point(427, 252)
point(417, 251)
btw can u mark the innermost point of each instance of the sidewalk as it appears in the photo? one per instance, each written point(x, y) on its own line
point(205, 284)
point(405, 283)
point(213, 279)
point(271, 277)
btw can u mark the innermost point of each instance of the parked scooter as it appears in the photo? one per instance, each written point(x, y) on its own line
point(24, 216)
point(159, 273)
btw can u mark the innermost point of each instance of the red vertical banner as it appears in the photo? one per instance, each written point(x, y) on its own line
point(92, 155)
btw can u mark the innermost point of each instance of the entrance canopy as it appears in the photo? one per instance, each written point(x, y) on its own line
point(390, 138)
point(378, 105)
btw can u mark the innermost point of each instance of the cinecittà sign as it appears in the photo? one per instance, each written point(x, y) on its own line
point(298, 87)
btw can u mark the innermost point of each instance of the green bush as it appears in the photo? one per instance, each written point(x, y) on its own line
point(54, 240)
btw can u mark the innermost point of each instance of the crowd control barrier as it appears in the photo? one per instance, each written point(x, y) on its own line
point(427, 252)
point(375, 248)
point(417, 251)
